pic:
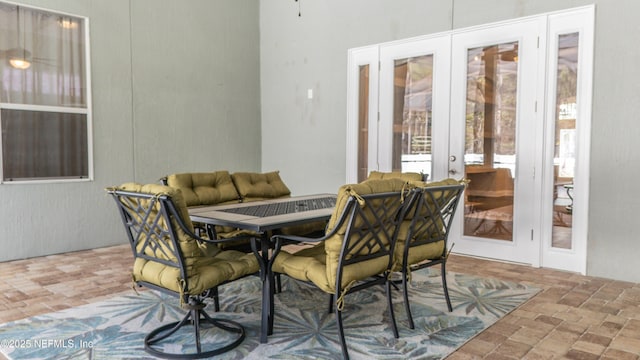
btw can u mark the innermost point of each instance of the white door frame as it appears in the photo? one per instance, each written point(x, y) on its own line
point(368, 55)
point(580, 21)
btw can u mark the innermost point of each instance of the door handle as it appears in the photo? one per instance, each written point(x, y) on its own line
point(452, 159)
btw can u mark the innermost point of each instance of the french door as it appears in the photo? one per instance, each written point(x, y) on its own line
point(506, 106)
point(399, 108)
point(493, 126)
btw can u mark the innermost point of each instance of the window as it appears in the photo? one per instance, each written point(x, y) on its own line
point(44, 95)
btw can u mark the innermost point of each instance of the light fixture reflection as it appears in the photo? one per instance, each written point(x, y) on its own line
point(67, 23)
point(18, 56)
point(21, 64)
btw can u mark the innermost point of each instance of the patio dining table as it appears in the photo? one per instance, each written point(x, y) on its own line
point(265, 217)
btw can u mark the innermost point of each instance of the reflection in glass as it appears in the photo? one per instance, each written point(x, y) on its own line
point(565, 139)
point(490, 140)
point(363, 123)
point(54, 45)
point(412, 110)
point(44, 145)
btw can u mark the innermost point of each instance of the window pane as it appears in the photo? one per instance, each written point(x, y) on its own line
point(54, 47)
point(412, 110)
point(490, 143)
point(43, 145)
point(565, 140)
point(43, 73)
point(363, 123)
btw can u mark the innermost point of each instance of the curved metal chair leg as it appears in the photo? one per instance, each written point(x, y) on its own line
point(216, 299)
point(343, 342)
point(195, 317)
point(443, 272)
point(405, 294)
point(391, 312)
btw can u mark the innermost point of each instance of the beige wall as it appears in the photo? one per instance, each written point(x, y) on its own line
point(153, 113)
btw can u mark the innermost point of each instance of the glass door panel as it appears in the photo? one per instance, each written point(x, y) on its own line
point(564, 151)
point(363, 122)
point(362, 113)
point(412, 110)
point(495, 84)
point(490, 135)
point(414, 106)
point(567, 140)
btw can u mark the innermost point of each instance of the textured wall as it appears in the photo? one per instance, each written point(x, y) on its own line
point(310, 52)
point(196, 98)
point(153, 113)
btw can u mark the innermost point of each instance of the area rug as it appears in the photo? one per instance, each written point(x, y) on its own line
point(303, 329)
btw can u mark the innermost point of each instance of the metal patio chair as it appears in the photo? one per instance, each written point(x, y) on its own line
point(423, 237)
point(171, 259)
point(357, 249)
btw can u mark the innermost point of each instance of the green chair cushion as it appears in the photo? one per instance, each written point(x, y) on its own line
point(430, 251)
point(209, 188)
point(319, 264)
point(189, 248)
point(204, 272)
point(363, 188)
point(409, 176)
point(206, 267)
point(425, 252)
point(257, 186)
point(306, 265)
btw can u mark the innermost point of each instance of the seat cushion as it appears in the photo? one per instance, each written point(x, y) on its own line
point(256, 186)
point(306, 265)
point(204, 272)
point(308, 229)
point(210, 188)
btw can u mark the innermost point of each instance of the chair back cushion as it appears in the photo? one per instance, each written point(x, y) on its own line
point(364, 229)
point(207, 188)
point(425, 228)
point(408, 176)
point(155, 231)
point(256, 186)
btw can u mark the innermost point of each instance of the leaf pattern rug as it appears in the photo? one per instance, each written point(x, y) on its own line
point(303, 328)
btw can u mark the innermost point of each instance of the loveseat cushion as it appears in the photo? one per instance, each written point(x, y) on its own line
point(259, 186)
point(208, 188)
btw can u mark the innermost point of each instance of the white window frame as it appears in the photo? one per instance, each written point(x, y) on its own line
point(87, 110)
